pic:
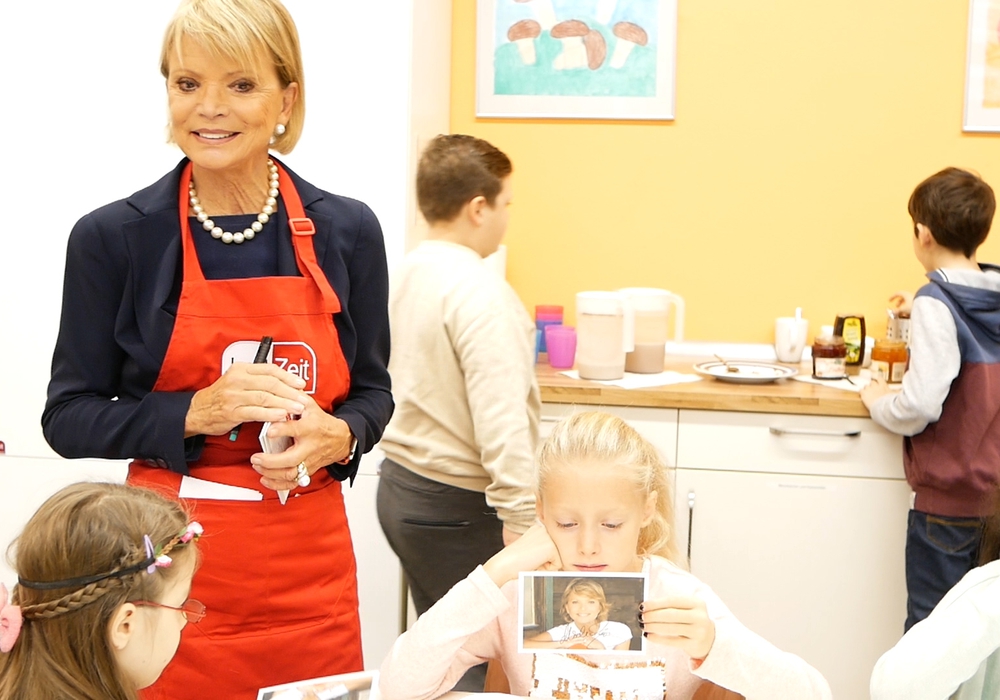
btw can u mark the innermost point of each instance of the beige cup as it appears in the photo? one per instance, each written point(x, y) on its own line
point(790, 338)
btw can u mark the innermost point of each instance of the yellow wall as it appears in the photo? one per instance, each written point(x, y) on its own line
point(801, 128)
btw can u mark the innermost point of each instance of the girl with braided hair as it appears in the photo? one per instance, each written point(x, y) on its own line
point(104, 573)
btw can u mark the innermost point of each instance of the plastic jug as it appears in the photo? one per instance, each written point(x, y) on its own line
point(652, 311)
point(605, 332)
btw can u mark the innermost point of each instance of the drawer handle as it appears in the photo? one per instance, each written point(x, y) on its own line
point(690, 524)
point(825, 433)
point(550, 419)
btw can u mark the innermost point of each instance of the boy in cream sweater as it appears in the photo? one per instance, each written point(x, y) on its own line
point(456, 484)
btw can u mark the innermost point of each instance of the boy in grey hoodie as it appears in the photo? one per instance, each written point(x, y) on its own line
point(949, 406)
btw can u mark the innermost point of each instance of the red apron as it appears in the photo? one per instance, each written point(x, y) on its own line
point(279, 582)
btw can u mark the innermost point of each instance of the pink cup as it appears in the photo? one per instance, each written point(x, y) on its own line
point(561, 344)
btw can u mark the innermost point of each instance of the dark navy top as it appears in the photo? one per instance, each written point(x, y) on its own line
point(120, 293)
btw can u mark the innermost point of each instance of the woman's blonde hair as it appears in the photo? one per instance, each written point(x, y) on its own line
point(589, 588)
point(251, 33)
point(597, 437)
point(85, 530)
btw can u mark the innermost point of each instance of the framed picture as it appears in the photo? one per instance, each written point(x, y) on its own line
point(982, 71)
point(576, 59)
point(569, 613)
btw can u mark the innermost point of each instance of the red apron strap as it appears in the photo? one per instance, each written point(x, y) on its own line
point(192, 268)
point(302, 228)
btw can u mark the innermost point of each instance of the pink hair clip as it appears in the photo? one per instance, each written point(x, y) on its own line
point(159, 560)
point(193, 531)
point(10, 622)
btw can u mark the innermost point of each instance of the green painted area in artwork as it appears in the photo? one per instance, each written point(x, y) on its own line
point(637, 78)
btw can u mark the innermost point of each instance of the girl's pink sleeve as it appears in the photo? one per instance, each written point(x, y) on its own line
point(458, 632)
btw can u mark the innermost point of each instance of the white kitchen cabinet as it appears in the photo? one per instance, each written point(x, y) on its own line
point(798, 524)
point(379, 573)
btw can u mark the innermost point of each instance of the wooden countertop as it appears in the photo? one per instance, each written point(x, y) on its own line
point(782, 396)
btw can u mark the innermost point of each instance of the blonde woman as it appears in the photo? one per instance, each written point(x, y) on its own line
point(169, 295)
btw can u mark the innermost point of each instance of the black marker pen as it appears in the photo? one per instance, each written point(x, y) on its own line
point(260, 358)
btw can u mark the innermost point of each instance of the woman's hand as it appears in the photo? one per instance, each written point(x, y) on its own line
point(680, 621)
point(318, 439)
point(245, 393)
point(532, 551)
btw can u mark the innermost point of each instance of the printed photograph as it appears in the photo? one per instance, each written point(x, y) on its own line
point(568, 613)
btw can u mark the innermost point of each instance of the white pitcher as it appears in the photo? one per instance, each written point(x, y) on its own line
point(652, 311)
point(605, 332)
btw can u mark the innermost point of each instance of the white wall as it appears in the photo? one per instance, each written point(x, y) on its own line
point(85, 124)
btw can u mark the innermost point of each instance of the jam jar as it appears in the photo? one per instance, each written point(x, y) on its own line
point(889, 360)
point(829, 357)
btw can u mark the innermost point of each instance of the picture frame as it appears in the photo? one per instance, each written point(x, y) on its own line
point(540, 609)
point(576, 59)
point(982, 74)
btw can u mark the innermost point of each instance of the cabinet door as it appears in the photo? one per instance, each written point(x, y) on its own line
point(379, 573)
point(813, 564)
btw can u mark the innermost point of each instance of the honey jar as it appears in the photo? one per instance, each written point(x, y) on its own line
point(889, 359)
point(829, 357)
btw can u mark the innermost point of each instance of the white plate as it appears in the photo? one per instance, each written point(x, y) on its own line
point(747, 372)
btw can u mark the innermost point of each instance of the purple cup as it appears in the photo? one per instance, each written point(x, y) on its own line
point(561, 344)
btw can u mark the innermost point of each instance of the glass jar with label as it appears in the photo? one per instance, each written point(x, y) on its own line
point(829, 357)
point(889, 360)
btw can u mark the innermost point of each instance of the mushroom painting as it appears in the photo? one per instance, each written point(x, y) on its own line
point(629, 36)
point(582, 47)
point(576, 58)
point(523, 34)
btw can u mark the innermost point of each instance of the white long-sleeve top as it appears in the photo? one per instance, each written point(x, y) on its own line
point(954, 653)
point(463, 379)
point(935, 359)
point(477, 621)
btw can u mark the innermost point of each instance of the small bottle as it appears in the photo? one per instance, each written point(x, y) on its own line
point(829, 357)
point(889, 360)
point(852, 329)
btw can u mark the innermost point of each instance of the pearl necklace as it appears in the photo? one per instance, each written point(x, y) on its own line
point(246, 234)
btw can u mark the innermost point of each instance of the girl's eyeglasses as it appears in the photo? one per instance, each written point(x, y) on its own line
point(192, 610)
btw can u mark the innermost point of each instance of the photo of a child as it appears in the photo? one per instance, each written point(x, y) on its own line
point(568, 613)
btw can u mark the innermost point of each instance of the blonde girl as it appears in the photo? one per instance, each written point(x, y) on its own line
point(585, 610)
point(104, 572)
point(603, 504)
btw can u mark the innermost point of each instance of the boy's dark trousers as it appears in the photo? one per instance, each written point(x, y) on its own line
point(440, 534)
point(939, 552)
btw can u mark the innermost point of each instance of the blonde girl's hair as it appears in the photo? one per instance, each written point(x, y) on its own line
point(589, 588)
point(85, 530)
point(606, 440)
point(253, 33)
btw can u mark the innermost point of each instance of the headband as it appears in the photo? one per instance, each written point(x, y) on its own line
point(154, 560)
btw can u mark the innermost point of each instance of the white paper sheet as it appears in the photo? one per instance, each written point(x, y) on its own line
point(212, 491)
point(641, 381)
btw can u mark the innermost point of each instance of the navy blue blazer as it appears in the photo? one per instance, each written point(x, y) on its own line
point(120, 292)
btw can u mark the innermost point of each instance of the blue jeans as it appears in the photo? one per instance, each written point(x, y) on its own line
point(939, 552)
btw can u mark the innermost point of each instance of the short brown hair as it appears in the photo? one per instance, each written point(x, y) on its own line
point(455, 169)
point(589, 588)
point(957, 206)
point(63, 650)
point(250, 32)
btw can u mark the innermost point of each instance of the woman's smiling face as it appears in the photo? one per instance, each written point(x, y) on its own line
point(583, 609)
point(223, 114)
